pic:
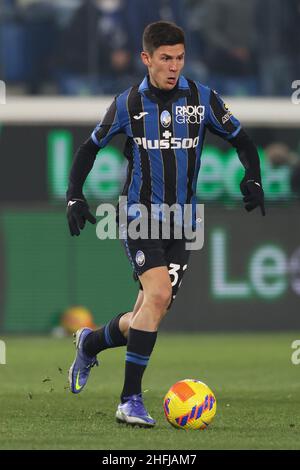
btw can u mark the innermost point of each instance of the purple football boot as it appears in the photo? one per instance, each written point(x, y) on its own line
point(133, 412)
point(80, 369)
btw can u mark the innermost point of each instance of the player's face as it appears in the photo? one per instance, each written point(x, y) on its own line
point(165, 65)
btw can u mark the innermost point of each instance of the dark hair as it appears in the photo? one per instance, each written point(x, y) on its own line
point(162, 33)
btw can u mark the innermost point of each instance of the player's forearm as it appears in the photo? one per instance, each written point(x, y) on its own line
point(82, 164)
point(248, 155)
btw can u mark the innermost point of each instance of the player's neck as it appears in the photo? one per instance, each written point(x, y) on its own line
point(164, 95)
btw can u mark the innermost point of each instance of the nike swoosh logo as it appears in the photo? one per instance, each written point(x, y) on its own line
point(77, 386)
point(70, 203)
point(139, 116)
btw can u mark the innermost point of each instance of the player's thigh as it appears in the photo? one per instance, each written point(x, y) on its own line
point(148, 260)
point(157, 286)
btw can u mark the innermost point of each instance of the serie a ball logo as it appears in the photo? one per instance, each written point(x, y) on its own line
point(190, 404)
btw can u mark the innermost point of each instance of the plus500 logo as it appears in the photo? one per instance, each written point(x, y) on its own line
point(172, 143)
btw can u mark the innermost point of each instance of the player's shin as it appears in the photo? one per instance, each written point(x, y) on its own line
point(139, 348)
point(109, 336)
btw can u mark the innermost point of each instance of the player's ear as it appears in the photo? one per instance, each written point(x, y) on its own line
point(145, 56)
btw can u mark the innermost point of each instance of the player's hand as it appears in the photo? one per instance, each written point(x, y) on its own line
point(78, 213)
point(253, 195)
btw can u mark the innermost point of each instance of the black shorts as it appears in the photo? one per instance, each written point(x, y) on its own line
point(146, 254)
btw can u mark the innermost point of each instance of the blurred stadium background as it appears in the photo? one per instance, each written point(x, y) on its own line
point(61, 62)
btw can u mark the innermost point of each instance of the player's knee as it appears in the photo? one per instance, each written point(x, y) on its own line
point(124, 323)
point(160, 298)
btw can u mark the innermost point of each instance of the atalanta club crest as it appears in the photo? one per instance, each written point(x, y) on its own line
point(140, 258)
point(165, 118)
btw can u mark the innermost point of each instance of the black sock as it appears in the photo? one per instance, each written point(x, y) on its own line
point(109, 336)
point(139, 348)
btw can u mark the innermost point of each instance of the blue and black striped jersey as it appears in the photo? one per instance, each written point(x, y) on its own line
point(165, 139)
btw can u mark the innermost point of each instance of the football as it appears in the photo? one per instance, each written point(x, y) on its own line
point(190, 404)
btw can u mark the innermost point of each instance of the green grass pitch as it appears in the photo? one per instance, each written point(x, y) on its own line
point(256, 386)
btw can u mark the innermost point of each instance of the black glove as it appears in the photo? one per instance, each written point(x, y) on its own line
point(253, 195)
point(77, 214)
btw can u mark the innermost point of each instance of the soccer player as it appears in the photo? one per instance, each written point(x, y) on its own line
point(164, 118)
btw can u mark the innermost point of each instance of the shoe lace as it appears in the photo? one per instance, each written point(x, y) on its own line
point(136, 400)
point(92, 364)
